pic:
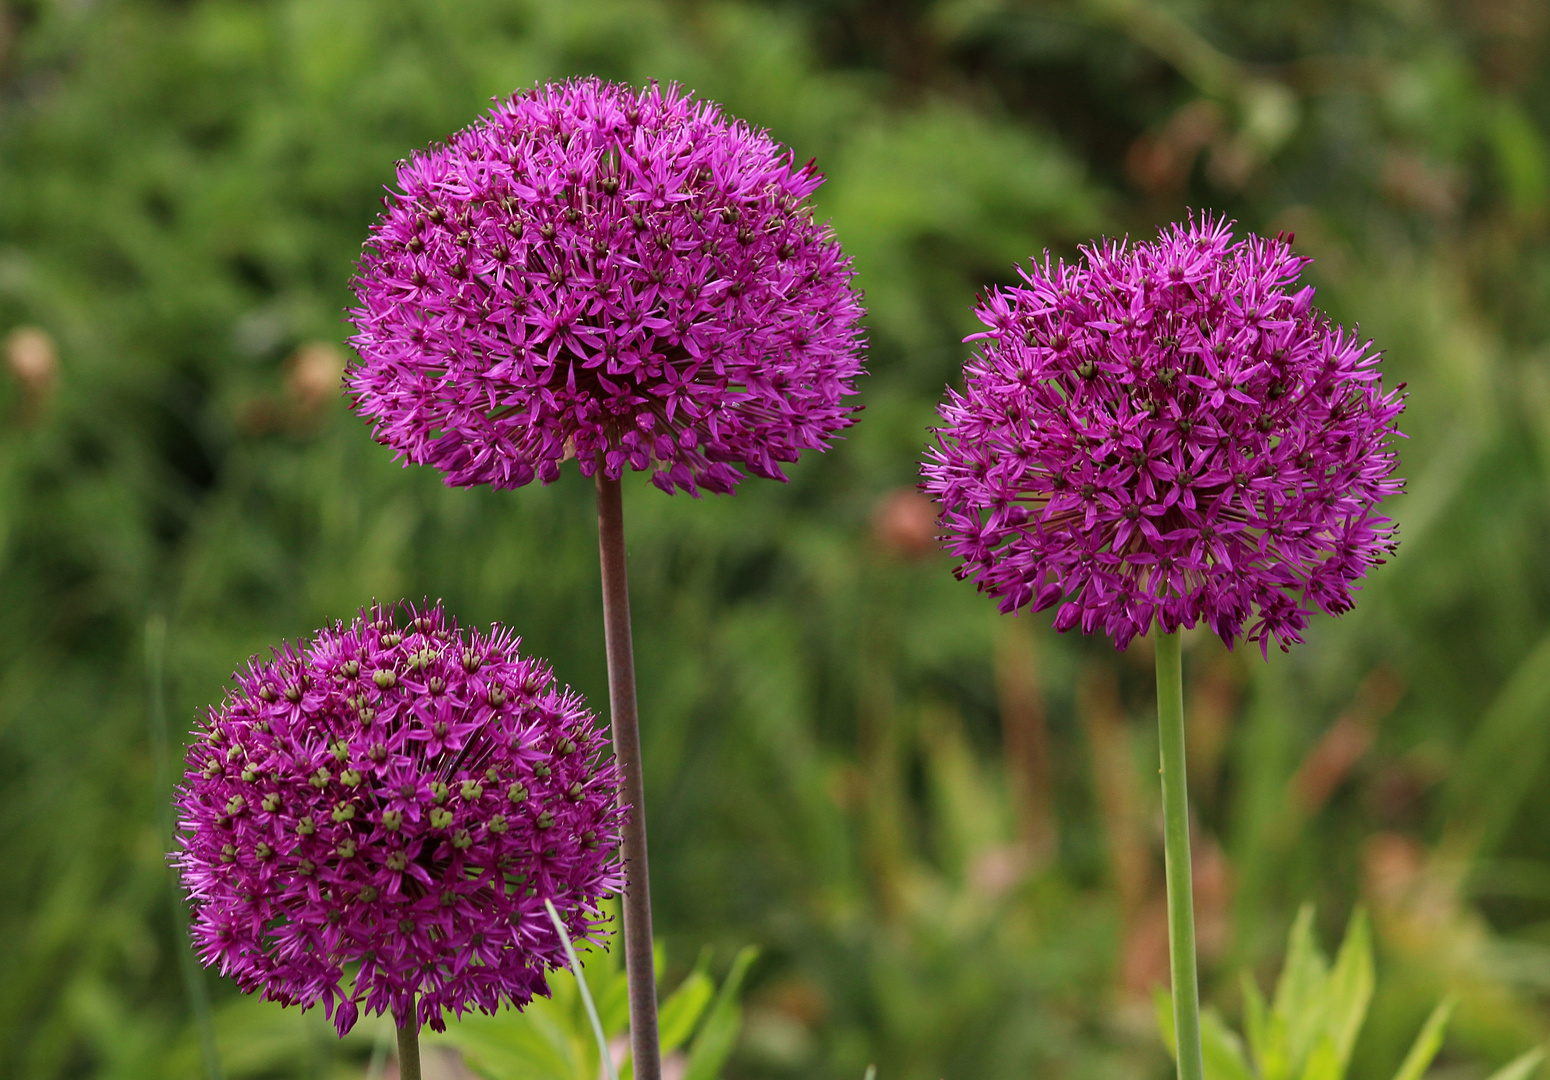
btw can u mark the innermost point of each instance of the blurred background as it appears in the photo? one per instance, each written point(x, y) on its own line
point(939, 824)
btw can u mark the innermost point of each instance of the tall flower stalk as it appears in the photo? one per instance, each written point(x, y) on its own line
point(638, 958)
point(1163, 434)
point(627, 278)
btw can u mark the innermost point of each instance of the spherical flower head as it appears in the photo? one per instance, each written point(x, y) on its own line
point(374, 818)
point(1168, 432)
point(623, 276)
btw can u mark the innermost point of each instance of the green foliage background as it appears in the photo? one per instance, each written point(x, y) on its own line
point(938, 824)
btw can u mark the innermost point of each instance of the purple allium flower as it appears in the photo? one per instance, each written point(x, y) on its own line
point(593, 269)
point(1168, 431)
point(375, 817)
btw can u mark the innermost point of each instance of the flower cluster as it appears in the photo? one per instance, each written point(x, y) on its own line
point(1167, 431)
point(621, 276)
point(400, 801)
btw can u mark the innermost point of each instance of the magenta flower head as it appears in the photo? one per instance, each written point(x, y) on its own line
point(374, 818)
point(1172, 432)
point(594, 271)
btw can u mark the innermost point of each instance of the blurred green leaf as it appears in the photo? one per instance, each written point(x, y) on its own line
point(1221, 1049)
point(1427, 1043)
point(1521, 1067)
point(717, 1037)
point(683, 1009)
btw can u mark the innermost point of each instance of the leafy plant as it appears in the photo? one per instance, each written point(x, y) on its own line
point(553, 1039)
point(1308, 1030)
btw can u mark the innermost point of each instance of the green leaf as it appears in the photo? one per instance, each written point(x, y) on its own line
point(1162, 1006)
point(1220, 1048)
point(1427, 1043)
point(1521, 1067)
point(679, 1013)
point(716, 1039)
point(534, 1045)
point(1298, 1009)
point(1347, 992)
point(1324, 1063)
point(1254, 1020)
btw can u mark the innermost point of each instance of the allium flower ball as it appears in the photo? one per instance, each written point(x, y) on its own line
point(375, 817)
point(1168, 431)
point(593, 269)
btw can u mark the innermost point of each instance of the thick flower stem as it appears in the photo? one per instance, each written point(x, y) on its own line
point(1181, 898)
point(409, 1046)
point(639, 964)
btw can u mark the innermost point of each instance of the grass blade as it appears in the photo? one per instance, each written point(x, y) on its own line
point(161, 750)
point(586, 994)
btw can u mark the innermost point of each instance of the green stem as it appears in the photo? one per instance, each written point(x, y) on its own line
point(409, 1045)
point(1181, 900)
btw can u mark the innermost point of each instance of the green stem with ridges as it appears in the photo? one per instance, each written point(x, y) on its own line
point(1181, 899)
